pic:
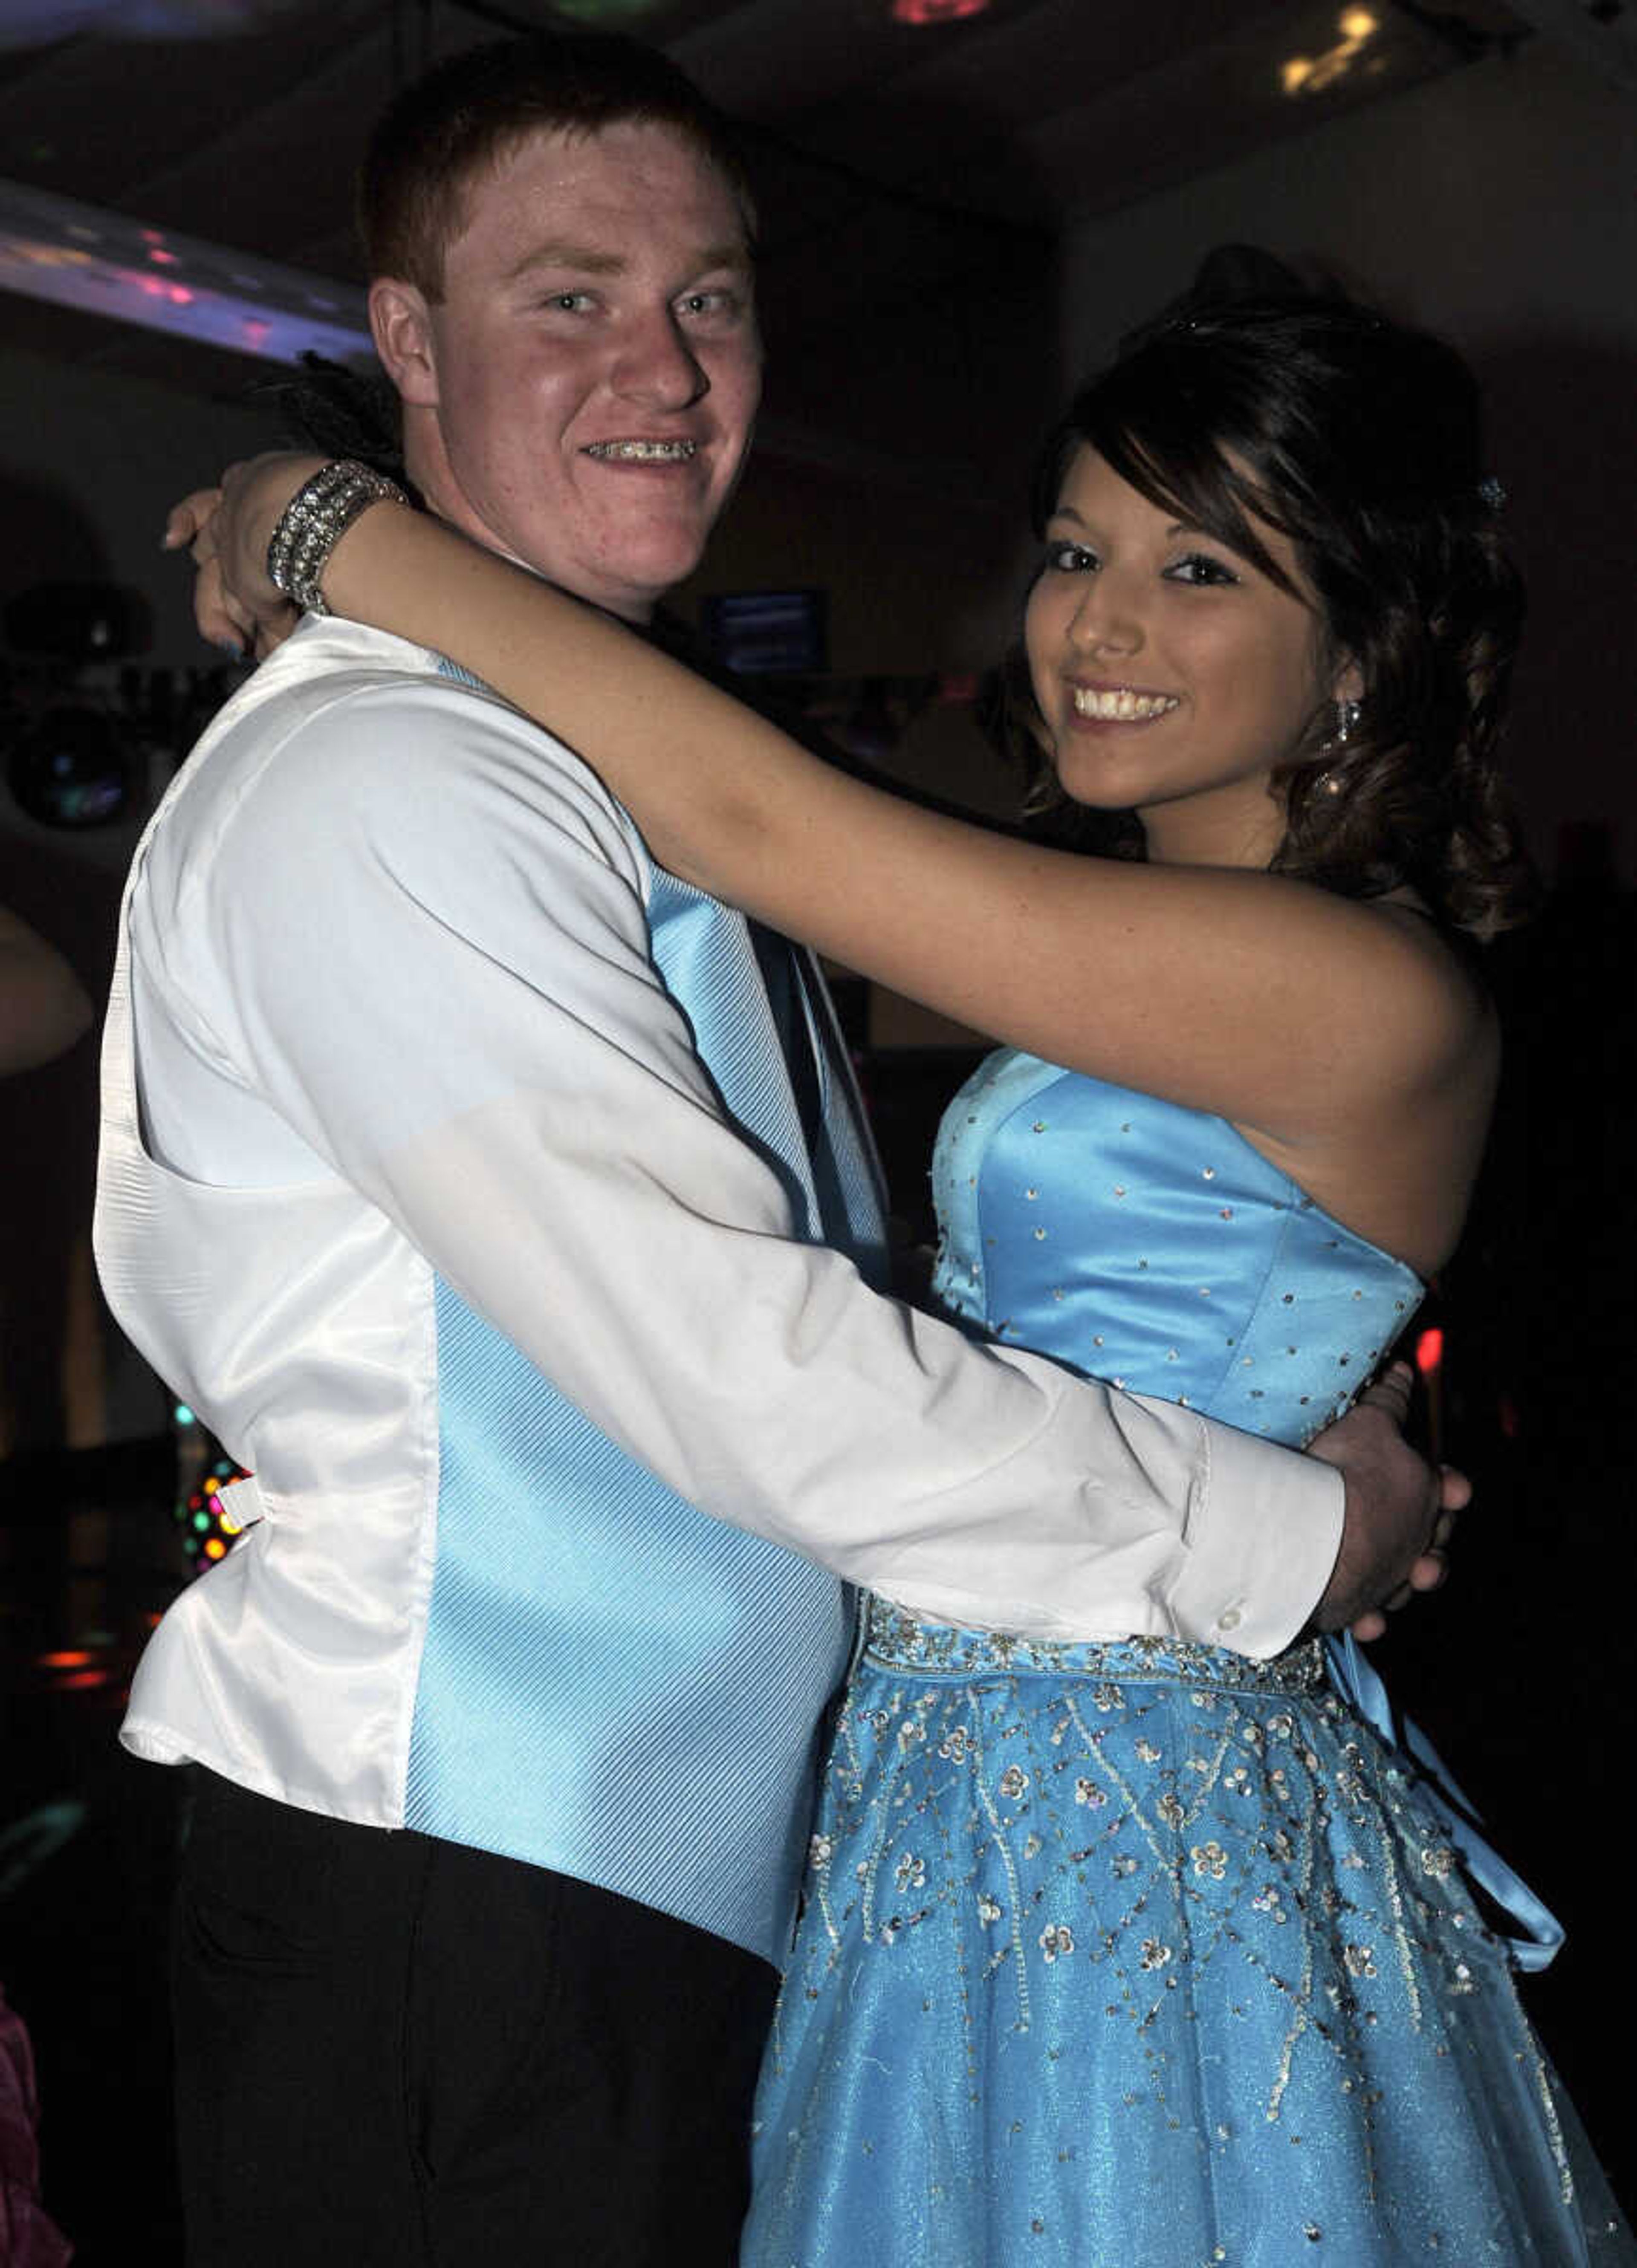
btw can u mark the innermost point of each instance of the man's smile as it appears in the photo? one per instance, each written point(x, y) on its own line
point(642, 453)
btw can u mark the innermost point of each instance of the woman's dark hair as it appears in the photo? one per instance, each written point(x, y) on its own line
point(341, 412)
point(1358, 439)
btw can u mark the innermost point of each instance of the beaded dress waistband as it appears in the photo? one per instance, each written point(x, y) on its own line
point(895, 1638)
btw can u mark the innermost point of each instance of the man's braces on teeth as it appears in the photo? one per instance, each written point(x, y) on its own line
point(644, 452)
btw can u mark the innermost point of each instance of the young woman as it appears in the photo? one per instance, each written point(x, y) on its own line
point(1135, 1952)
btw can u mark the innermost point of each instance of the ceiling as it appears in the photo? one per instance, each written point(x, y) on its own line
point(905, 173)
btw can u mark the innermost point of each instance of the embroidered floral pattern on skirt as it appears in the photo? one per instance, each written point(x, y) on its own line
point(1143, 1953)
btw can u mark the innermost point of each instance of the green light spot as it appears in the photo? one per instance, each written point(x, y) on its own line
point(609, 14)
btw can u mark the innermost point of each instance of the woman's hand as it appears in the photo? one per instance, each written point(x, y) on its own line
point(226, 531)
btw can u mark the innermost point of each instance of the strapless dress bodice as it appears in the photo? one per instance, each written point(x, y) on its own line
point(1150, 1245)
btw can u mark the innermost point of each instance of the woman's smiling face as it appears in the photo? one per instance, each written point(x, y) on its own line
point(1172, 674)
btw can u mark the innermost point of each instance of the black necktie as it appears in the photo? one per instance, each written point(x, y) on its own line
point(776, 957)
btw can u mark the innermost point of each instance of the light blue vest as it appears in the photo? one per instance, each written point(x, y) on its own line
point(614, 1685)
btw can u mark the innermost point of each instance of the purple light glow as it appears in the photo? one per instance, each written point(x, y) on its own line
point(921, 12)
point(76, 256)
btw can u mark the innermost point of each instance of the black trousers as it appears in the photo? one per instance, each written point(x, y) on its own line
point(395, 2052)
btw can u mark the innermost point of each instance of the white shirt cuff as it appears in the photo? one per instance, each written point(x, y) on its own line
point(1262, 1542)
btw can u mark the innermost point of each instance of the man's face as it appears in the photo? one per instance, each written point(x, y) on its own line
point(581, 397)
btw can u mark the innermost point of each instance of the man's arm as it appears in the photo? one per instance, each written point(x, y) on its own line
point(1400, 1512)
point(464, 1022)
point(44, 1008)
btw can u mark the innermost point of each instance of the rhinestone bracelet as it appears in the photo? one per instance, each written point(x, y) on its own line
point(314, 520)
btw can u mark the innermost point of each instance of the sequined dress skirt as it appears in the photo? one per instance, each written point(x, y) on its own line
point(1144, 1955)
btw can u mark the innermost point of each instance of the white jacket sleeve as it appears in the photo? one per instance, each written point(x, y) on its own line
point(422, 938)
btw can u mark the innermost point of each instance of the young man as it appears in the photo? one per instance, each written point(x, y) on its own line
point(454, 1169)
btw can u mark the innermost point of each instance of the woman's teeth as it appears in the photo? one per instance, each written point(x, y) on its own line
point(1122, 706)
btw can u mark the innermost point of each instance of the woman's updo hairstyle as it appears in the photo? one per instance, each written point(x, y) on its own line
point(1359, 440)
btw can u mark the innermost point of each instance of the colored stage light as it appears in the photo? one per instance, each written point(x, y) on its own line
point(79, 255)
point(920, 12)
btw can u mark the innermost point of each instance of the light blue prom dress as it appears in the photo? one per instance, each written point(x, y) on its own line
point(1142, 1954)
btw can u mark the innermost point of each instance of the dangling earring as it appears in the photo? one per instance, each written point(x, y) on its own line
point(1348, 714)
